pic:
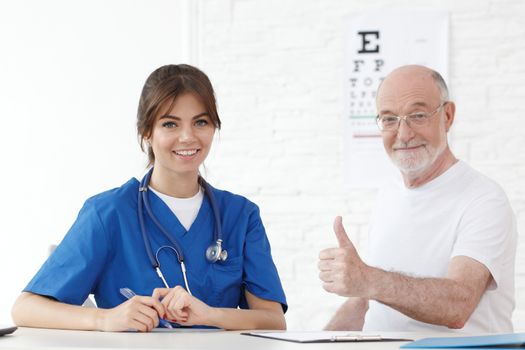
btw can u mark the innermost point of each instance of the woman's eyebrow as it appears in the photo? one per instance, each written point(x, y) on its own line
point(173, 116)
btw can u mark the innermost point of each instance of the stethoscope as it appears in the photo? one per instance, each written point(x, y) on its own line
point(214, 252)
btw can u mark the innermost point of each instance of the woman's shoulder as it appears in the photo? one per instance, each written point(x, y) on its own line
point(125, 194)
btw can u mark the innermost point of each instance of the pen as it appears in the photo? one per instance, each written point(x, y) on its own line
point(128, 293)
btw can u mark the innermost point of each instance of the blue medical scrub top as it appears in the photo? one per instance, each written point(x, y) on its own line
point(104, 251)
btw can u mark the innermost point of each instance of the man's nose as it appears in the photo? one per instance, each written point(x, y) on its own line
point(404, 133)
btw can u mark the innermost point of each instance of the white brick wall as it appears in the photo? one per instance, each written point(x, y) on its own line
point(277, 66)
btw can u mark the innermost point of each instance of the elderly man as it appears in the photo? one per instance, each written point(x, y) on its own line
point(442, 240)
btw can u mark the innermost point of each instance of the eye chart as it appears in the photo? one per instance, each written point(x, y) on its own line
point(375, 44)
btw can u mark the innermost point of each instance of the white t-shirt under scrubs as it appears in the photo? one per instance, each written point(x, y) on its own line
point(418, 231)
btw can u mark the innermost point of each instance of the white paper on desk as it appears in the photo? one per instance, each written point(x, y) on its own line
point(323, 336)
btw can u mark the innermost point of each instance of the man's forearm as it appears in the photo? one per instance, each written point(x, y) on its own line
point(439, 301)
point(350, 316)
point(447, 301)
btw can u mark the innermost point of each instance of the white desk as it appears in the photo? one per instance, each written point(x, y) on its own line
point(33, 338)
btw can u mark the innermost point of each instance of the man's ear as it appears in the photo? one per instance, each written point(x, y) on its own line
point(450, 113)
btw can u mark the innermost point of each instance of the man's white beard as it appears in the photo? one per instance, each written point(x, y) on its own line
point(416, 161)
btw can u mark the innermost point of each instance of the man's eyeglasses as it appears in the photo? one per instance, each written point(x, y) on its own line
point(414, 120)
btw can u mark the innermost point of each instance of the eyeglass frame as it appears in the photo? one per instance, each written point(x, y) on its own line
point(405, 118)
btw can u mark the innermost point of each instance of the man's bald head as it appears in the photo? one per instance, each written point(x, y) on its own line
point(418, 72)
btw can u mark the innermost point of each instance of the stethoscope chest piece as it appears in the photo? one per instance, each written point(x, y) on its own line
point(215, 252)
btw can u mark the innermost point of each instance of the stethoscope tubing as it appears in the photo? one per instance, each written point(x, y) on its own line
point(143, 202)
point(182, 267)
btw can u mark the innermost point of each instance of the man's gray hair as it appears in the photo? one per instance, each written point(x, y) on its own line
point(443, 89)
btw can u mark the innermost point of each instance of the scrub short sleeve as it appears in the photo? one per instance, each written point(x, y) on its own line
point(260, 274)
point(70, 274)
point(487, 232)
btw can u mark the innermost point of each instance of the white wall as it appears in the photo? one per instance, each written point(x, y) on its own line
point(71, 73)
point(277, 68)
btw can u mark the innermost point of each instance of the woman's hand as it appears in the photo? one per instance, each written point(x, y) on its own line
point(139, 313)
point(183, 308)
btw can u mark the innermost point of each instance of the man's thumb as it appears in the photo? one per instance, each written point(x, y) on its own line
point(340, 232)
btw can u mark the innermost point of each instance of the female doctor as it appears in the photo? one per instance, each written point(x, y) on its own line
point(192, 254)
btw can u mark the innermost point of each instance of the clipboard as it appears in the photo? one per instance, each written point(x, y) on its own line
point(498, 341)
point(323, 337)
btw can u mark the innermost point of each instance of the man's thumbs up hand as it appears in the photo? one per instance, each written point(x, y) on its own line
point(341, 269)
point(340, 233)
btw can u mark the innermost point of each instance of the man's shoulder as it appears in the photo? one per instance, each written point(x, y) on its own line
point(460, 186)
point(479, 184)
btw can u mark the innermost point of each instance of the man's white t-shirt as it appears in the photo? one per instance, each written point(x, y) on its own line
point(418, 231)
